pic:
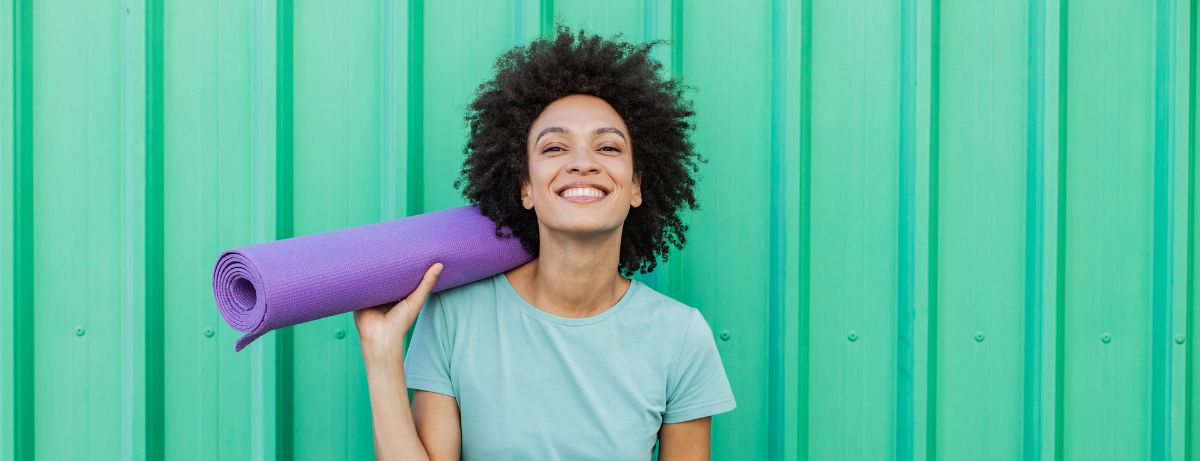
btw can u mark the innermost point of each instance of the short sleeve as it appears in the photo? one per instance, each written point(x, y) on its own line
point(697, 386)
point(427, 361)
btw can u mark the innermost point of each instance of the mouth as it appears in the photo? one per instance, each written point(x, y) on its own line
point(582, 192)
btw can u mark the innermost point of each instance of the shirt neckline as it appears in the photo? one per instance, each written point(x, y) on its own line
point(530, 309)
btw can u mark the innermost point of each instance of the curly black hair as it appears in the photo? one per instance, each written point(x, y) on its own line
point(527, 79)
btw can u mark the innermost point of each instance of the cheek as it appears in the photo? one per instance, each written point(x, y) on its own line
point(539, 180)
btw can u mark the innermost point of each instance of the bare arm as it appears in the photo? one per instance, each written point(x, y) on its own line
point(395, 433)
point(438, 421)
point(685, 441)
point(426, 430)
point(429, 428)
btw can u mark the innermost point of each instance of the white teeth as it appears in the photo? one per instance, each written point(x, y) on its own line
point(582, 192)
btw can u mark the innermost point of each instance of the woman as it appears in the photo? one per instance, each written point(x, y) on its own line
point(581, 150)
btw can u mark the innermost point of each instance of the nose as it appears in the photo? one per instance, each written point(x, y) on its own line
point(582, 161)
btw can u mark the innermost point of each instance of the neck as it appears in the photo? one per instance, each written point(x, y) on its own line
point(572, 276)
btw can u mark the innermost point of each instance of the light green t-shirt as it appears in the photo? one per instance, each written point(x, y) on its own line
point(533, 385)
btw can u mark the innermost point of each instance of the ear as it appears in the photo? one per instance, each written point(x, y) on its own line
point(636, 200)
point(526, 199)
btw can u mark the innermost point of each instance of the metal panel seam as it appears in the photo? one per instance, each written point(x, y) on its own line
point(905, 234)
point(416, 108)
point(23, 295)
point(284, 215)
point(777, 233)
point(802, 272)
point(935, 74)
point(387, 119)
point(258, 172)
point(1191, 233)
point(1160, 382)
point(674, 275)
point(154, 232)
point(1032, 380)
point(1060, 302)
point(546, 18)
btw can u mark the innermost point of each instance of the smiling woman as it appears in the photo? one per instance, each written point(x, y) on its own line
point(582, 156)
point(581, 150)
point(511, 117)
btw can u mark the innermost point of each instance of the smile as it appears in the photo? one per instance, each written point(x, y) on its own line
point(583, 194)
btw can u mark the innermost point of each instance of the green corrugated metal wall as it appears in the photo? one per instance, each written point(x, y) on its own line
point(942, 229)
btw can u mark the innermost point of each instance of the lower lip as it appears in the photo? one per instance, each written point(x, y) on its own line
point(583, 199)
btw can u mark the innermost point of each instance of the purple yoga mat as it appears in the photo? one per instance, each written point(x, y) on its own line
point(259, 288)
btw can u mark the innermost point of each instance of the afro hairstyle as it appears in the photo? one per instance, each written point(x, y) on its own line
point(623, 74)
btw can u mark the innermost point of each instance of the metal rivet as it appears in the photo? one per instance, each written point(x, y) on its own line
point(208, 332)
point(1106, 338)
point(79, 331)
point(1178, 339)
point(979, 336)
point(339, 333)
point(853, 336)
point(725, 335)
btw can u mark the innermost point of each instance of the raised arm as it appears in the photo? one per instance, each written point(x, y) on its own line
point(429, 428)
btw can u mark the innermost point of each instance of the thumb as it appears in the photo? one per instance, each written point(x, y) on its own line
point(416, 299)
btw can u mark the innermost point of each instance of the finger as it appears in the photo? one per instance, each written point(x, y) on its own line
point(416, 299)
point(427, 283)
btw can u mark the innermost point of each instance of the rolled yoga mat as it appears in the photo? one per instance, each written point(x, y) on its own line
point(261, 287)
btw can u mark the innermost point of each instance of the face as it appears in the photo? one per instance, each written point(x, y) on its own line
point(580, 167)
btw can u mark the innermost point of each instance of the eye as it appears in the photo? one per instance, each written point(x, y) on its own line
point(552, 149)
point(610, 148)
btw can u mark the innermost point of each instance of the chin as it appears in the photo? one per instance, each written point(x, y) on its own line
point(584, 228)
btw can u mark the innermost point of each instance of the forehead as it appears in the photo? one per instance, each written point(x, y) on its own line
point(578, 113)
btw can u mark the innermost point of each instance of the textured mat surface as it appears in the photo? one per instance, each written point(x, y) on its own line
point(261, 287)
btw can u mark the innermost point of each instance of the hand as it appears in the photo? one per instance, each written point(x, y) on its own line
point(381, 328)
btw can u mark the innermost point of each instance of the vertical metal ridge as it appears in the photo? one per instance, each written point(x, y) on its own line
point(1031, 440)
point(155, 245)
point(650, 31)
point(1060, 269)
point(1191, 235)
point(935, 114)
point(519, 28)
point(1164, 198)
point(23, 340)
point(675, 275)
point(802, 399)
point(905, 234)
point(777, 233)
point(676, 41)
point(546, 17)
point(284, 219)
point(261, 415)
point(649, 21)
point(415, 181)
point(387, 111)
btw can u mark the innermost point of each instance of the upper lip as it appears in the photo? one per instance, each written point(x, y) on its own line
point(560, 190)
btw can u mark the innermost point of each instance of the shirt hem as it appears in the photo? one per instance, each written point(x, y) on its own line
point(691, 413)
point(431, 385)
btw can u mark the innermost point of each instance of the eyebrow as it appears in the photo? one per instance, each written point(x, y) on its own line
point(559, 129)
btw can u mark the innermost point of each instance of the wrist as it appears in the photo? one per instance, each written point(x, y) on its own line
point(383, 358)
